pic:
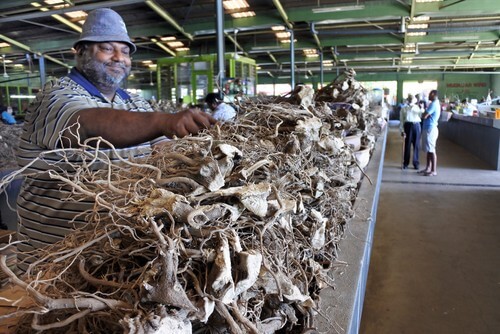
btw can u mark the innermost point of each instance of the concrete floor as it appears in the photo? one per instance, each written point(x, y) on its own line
point(435, 262)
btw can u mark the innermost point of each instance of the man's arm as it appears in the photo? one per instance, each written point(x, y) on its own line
point(124, 128)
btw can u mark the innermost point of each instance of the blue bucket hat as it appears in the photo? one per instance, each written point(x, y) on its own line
point(105, 25)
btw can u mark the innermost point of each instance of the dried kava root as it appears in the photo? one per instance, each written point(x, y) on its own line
point(230, 231)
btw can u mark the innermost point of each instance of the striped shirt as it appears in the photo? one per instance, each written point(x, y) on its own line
point(46, 211)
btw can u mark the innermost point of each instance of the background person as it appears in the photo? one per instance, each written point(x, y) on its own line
point(222, 111)
point(86, 103)
point(410, 128)
point(430, 133)
point(8, 116)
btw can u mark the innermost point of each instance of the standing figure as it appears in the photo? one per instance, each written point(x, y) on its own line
point(411, 130)
point(430, 133)
point(74, 112)
point(222, 112)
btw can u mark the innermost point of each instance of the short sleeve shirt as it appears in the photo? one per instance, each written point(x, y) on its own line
point(46, 210)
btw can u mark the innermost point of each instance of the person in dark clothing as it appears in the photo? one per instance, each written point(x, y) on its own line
point(411, 129)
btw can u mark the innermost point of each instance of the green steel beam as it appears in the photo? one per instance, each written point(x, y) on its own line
point(283, 13)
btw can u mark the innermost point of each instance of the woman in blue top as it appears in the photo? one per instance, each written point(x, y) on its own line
point(430, 133)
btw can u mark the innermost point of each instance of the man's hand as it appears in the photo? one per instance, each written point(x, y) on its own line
point(189, 121)
point(403, 134)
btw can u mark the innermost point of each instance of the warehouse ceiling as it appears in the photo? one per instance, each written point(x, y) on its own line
point(367, 35)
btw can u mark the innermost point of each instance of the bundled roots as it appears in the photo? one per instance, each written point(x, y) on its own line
point(234, 230)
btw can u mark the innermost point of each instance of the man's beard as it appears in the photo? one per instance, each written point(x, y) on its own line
point(98, 73)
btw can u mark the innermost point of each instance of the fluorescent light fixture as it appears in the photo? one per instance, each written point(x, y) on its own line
point(168, 38)
point(278, 28)
point(4, 44)
point(423, 1)
point(235, 4)
point(416, 33)
point(22, 96)
point(369, 45)
point(53, 2)
point(78, 14)
point(422, 18)
point(332, 9)
point(409, 47)
point(418, 26)
point(175, 44)
point(287, 41)
point(460, 38)
point(163, 47)
point(183, 49)
point(283, 35)
point(266, 48)
point(239, 15)
point(310, 52)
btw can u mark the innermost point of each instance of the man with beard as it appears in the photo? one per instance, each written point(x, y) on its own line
point(73, 112)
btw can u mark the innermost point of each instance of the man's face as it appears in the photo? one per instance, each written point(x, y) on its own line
point(432, 96)
point(106, 64)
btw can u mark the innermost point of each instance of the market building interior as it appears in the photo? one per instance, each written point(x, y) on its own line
point(427, 259)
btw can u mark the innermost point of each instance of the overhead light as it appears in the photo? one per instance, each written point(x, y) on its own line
point(319, 10)
point(183, 49)
point(175, 44)
point(278, 28)
point(235, 4)
point(4, 45)
point(409, 48)
point(416, 33)
point(283, 34)
point(310, 52)
point(168, 38)
point(422, 1)
point(163, 47)
point(266, 48)
point(422, 18)
point(22, 96)
point(418, 26)
point(238, 15)
point(78, 14)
